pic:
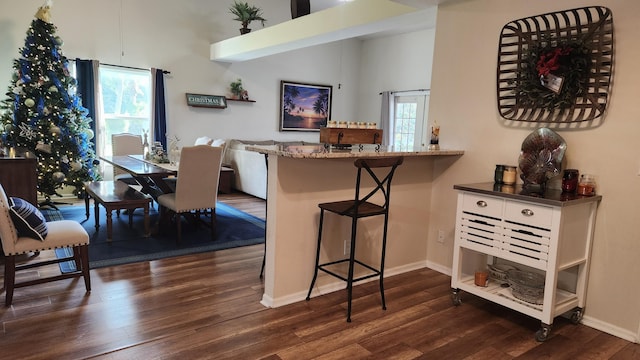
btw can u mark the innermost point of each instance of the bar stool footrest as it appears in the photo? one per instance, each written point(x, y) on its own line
point(375, 271)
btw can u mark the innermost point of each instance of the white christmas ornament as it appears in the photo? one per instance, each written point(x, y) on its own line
point(55, 130)
point(41, 146)
point(29, 102)
point(58, 176)
point(76, 166)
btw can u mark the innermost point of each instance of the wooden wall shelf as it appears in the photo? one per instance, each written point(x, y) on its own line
point(240, 100)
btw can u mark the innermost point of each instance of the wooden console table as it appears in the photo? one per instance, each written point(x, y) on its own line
point(19, 178)
point(226, 179)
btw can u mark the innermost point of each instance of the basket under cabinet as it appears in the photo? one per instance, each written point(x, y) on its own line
point(548, 233)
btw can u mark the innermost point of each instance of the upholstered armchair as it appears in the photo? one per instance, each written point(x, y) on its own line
point(196, 186)
point(23, 230)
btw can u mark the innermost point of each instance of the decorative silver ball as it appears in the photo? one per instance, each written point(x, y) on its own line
point(58, 176)
point(76, 166)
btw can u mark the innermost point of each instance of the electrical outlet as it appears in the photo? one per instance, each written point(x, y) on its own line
point(441, 236)
point(347, 247)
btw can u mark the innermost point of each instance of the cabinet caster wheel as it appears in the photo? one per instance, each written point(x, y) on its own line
point(543, 333)
point(455, 297)
point(576, 316)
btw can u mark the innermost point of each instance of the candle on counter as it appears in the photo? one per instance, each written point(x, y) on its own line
point(509, 175)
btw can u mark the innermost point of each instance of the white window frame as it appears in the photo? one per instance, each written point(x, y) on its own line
point(421, 133)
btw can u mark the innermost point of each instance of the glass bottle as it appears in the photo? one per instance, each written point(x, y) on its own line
point(145, 147)
point(497, 177)
point(570, 181)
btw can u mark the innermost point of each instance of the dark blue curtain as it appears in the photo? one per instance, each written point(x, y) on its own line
point(85, 89)
point(160, 115)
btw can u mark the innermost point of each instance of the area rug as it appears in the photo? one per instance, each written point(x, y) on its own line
point(235, 228)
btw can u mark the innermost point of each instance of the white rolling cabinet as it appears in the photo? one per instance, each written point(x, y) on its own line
point(549, 234)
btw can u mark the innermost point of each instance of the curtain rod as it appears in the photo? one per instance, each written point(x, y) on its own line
point(133, 68)
point(401, 91)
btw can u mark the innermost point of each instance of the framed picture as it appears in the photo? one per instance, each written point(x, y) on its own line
point(304, 107)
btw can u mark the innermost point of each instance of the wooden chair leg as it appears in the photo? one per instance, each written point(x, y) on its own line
point(213, 224)
point(9, 278)
point(84, 258)
point(179, 228)
point(130, 213)
point(77, 257)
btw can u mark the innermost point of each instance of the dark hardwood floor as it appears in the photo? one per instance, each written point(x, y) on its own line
point(206, 306)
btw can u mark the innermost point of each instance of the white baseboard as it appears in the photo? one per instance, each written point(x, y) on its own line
point(439, 268)
point(333, 286)
point(610, 329)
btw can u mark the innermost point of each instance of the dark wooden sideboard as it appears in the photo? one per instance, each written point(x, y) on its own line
point(18, 177)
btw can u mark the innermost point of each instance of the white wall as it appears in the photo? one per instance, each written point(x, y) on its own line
point(463, 99)
point(175, 36)
point(393, 63)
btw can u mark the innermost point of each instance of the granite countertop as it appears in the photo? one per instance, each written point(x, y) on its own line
point(322, 152)
point(553, 197)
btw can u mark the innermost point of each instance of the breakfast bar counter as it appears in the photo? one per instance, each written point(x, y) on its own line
point(300, 177)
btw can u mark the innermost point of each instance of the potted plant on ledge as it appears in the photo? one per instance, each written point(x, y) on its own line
point(237, 89)
point(246, 13)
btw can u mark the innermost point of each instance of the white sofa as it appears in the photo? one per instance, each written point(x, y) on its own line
point(250, 168)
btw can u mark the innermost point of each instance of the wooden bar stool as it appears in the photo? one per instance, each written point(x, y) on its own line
point(359, 207)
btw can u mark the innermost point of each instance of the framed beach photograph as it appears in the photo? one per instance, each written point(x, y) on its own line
point(304, 107)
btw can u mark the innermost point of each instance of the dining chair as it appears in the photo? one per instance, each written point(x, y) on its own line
point(366, 203)
point(125, 144)
point(23, 230)
point(196, 190)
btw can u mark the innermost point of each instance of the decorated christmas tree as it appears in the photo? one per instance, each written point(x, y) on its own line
point(43, 117)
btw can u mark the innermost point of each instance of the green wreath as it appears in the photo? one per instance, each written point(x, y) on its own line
point(565, 63)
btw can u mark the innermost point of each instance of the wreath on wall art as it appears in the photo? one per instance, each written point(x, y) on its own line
point(553, 74)
point(556, 67)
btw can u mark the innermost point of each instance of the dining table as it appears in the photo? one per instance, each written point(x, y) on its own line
point(149, 174)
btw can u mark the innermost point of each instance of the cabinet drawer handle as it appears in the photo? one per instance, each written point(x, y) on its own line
point(481, 203)
point(527, 212)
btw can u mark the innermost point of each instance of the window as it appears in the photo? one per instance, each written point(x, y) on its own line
point(409, 119)
point(125, 98)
